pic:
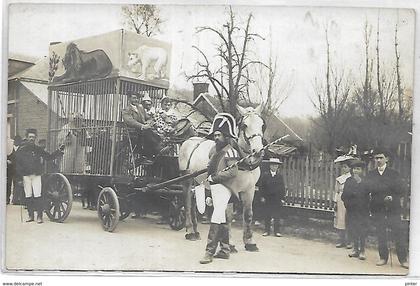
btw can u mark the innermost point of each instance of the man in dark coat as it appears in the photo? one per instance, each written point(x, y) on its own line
point(29, 164)
point(272, 190)
point(12, 176)
point(386, 189)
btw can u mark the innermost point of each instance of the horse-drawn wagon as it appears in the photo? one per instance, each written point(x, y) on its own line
point(89, 89)
point(90, 80)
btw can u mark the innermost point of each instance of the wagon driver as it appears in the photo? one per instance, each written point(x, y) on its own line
point(221, 156)
point(139, 117)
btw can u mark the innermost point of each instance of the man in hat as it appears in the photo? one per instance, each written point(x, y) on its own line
point(273, 193)
point(221, 156)
point(29, 165)
point(139, 117)
point(340, 210)
point(386, 189)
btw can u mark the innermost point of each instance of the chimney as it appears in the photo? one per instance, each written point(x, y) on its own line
point(199, 88)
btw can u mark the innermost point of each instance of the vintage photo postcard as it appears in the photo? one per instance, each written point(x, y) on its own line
point(209, 139)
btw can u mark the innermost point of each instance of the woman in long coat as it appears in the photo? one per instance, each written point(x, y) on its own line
point(340, 209)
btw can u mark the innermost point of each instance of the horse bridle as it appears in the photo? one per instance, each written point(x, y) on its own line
point(248, 138)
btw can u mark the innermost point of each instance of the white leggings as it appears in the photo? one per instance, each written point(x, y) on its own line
point(32, 183)
point(220, 196)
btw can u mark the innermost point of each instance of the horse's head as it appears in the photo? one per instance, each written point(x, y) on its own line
point(251, 128)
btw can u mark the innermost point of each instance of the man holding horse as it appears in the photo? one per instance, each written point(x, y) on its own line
point(221, 169)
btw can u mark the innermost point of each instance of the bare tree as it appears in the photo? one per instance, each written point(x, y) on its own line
point(145, 19)
point(331, 93)
point(400, 91)
point(271, 86)
point(231, 80)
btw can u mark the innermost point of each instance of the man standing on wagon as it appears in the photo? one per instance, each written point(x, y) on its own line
point(29, 164)
point(221, 156)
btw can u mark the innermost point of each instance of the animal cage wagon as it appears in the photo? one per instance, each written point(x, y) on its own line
point(89, 83)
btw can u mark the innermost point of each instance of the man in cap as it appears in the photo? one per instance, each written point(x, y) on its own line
point(221, 156)
point(273, 193)
point(356, 201)
point(29, 165)
point(386, 189)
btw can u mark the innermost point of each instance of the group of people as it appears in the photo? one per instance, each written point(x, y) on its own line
point(376, 196)
point(27, 162)
point(150, 127)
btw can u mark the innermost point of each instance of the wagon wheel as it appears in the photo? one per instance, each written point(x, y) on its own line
point(125, 208)
point(108, 209)
point(176, 214)
point(58, 197)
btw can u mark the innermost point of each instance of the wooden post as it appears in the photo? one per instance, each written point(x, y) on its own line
point(114, 128)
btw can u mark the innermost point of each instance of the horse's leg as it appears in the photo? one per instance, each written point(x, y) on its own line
point(188, 208)
point(247, 198)
point(194, 219)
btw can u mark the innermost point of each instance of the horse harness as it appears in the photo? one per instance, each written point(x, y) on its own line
point(247, 165)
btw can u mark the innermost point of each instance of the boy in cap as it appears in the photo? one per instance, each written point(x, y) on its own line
point(272, 195)
point(356, 201)
point(29, 164)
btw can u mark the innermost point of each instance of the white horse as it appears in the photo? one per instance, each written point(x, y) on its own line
point(194, 156)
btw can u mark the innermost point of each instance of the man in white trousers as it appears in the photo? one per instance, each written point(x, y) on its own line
point(29, 165)
point(221, 156)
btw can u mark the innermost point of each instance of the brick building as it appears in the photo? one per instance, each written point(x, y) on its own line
point(27, 105)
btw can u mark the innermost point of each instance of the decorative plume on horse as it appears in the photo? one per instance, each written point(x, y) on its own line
point(194, 156)
point(80, 65)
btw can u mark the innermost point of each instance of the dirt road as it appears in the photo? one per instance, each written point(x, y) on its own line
point(141, 245)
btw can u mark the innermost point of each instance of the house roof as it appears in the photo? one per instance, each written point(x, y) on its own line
point(272, 122)
point(281, 150)
point(196, 118)
point(213, 102)
point(22, 58)
point(40, 90)
point(37, 72)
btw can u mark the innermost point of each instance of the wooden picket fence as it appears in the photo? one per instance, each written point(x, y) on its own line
point(309, 183)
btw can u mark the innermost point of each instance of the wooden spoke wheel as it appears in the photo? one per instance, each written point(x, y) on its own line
point(58, 197)
point(125, 209)
point(108, 209)
point(176, 214)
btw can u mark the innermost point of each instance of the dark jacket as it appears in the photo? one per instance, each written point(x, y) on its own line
point(272, 188)
point(356, 197)
point(135, 119)
point(28, 159)
point(380, 186)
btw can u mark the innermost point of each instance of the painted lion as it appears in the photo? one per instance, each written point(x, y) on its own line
point(80, 65)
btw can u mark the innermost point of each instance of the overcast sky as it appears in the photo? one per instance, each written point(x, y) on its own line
point(298, 38)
